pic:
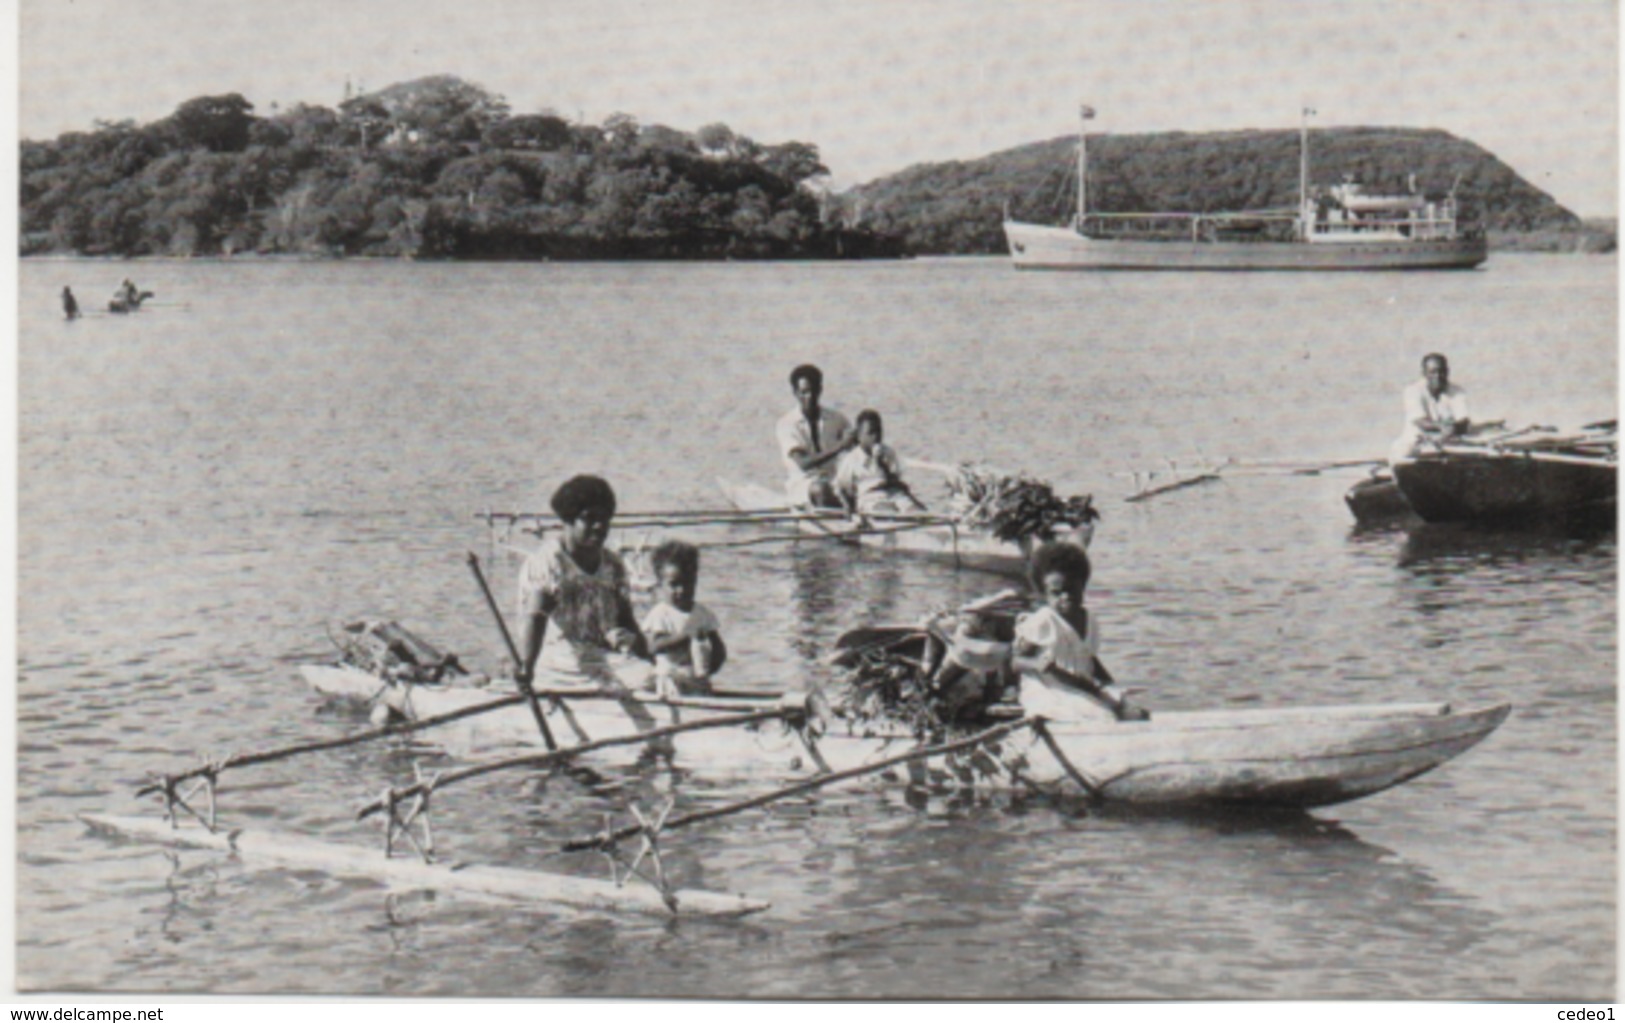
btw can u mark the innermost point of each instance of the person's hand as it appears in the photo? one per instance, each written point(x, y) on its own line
point(621, 640)
point(1127, 711)
point(665, 687)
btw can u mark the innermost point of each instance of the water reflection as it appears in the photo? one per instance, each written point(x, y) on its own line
point(1451, 545)
point(1255, 889)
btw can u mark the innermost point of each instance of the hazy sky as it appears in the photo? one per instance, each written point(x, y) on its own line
point(881, 84)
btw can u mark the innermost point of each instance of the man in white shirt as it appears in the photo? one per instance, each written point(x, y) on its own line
point(1435, 410)
point(811, 438)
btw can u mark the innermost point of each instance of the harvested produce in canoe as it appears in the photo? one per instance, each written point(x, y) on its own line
point(992, 522)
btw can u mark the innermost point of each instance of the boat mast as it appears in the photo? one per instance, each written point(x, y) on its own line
point(1084, 114)
point(1303, 174)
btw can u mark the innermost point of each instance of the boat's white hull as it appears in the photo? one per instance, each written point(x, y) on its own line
point(1038, 247)
point(1297, 757)
point(962, 548)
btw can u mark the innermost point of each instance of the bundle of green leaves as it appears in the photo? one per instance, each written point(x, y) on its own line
point(1016, 507)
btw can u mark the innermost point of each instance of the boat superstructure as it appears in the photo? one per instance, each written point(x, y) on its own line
point(1335, 228)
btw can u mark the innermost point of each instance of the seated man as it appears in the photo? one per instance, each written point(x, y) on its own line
point(1435, 410)
point(811, 438)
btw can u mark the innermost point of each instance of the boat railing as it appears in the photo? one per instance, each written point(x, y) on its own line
point(1363, 228)
point(1180, 226)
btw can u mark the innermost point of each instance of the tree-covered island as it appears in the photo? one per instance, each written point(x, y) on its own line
point(432, 168)
point(439, 168)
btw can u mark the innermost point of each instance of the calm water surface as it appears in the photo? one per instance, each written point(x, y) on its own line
point(206, 487)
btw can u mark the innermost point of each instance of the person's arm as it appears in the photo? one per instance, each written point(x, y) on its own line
point(660, 642)
point(846, 490)
point(1458, 407)
point(626, 637)
point(1031, 658)
point(532, 627)
point(719, 652)
point(893, 469)
point(808, 462)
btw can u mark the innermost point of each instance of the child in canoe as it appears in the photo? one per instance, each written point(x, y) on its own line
point(1056, 645)
point(576, 621)
point(683, 635)
point(869, 478)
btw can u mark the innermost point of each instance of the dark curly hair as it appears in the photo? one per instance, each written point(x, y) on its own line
point(1066, 558)
point(675, 552)
point(812, 373)
point(578, 493)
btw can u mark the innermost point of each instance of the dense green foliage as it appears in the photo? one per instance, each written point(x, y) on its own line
point(957, 207)
point(440, 168)
point(433, 168)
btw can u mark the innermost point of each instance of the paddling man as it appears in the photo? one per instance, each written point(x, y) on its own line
point(1435, 410)
point(811, 438)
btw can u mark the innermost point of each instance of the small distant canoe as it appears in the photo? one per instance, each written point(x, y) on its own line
point(1287, 757)
point(506, 885)
point(950, 544)
point(128, 305)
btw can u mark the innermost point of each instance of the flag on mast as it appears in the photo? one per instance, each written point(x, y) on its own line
point(1086, 112)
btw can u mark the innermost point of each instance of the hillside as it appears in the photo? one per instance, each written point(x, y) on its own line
point(956, 207)
point(432, 168)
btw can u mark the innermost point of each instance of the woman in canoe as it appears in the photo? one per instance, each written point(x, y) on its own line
point(1056, 648)
point(575, 606)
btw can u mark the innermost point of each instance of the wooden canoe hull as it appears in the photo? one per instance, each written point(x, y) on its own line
point(1293, 757)
point(961, 548)
point(506, 885)
point(573, 721)
point(1512, 487)
point(1377, 500)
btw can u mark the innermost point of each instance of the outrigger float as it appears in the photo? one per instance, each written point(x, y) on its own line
point(1293, 758)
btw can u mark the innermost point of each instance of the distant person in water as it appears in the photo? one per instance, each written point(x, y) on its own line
point(70, 305)
point(1435, 410)
point(811, 438)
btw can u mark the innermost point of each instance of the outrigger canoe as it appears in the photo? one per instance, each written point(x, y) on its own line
point(1291, 757)
point(935, 537)
point(1534, 476)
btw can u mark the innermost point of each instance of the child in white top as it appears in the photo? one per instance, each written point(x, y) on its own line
point(684, 636)
point(1056, 645)
point(869, 478)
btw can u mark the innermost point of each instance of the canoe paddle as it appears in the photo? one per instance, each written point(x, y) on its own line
point(520, 675)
